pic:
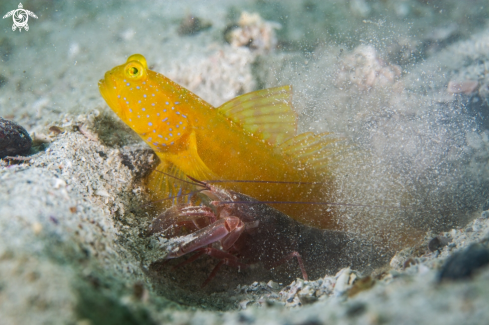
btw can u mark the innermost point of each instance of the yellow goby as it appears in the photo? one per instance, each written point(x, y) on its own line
point(251, 138)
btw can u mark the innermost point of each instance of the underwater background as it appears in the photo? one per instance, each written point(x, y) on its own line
point(402, 82)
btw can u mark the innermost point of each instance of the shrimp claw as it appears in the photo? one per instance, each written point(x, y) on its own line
point(226, 230)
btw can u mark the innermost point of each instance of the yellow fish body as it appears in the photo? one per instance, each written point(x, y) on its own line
point(251, 138)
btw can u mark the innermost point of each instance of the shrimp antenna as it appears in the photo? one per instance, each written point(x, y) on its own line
point(318, 203)
point(249, 181)
point(176, 196)
point(197, 183)
point(200, 183)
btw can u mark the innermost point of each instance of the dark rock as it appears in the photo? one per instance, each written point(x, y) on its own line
point(438, 242)
point(191, 25)
point(463, 264)
point(14, 139)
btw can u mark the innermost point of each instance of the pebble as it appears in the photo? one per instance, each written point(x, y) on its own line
point(273, 285)
point(438, 242)
point(342, 284)
point(14, 139)
point(191, 25)
point(463, 264)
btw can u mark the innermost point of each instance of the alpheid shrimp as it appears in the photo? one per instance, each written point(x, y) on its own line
point(238, 231)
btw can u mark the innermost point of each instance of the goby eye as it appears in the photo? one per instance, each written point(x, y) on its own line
point(134, 70)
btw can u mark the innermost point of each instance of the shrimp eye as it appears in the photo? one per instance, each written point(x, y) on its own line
point(134, 70)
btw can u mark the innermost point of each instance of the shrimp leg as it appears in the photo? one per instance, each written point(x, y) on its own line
point(290, 256)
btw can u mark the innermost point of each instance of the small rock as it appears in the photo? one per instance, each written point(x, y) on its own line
point(102, 192)
point(307, 295)
point(361, 285)
point(14, 139)
point(56, 129)
point(191, 25)
point(273, 285)
point(342, 283)
point(463, 264)
point(438, 242)
point(36, 228)
point(399, 260)
point(253, 32)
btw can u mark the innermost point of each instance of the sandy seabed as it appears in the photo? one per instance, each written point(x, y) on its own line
point(403, 80)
